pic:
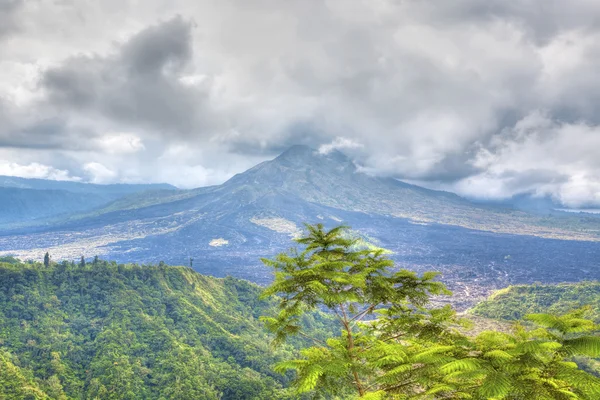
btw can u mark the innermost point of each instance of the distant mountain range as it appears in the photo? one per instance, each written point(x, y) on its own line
point(227, 228)
point(30, 199)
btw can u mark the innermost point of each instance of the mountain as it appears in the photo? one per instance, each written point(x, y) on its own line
point(32, 199)
point(227, 228)
point(118, 189)
point(111, 331)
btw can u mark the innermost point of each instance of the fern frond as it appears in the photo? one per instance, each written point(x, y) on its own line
point(466, 364)
point(586, 345)
point(495, 385)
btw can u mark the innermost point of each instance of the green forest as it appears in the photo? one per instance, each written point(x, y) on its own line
point(339, 321)
point(514, 302)
point(108, 331)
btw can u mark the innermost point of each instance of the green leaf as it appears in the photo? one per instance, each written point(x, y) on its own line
point(467, 364)
point(494, 385)
point(587, 346)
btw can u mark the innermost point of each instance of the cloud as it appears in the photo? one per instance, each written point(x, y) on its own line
point(483, 98)
point(538, 155)
point(339, 143)
point(137, 85)
point(99, 173)
point(35, 170)
point(120, 143)
point(8, 16)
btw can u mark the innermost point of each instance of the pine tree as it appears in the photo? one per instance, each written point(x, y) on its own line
point(47, 260)
point(82, 262)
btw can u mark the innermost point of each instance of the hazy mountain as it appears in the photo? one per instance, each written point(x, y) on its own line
point(227, 228)
point(119, 189)
point(26, 204)
point(30, 199)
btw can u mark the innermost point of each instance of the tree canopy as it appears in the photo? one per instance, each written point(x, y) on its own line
point(393, 344)
point(122, 331)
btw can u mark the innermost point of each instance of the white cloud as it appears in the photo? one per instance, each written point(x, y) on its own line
point(539, 155)
point(99, 173)
point(120, 143)
point(35, 170)
point(339, 143)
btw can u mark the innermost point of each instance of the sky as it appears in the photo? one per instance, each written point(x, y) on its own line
point(487, 99)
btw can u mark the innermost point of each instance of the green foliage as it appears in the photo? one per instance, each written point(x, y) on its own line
point(392, 345)
point(9, 260)
point(515, 302)
point(529, 364)
point(16, 384)
point(108, 331)
point(356, 284)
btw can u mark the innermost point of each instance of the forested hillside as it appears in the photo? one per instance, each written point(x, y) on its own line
point(515, 302)
point(108, 331)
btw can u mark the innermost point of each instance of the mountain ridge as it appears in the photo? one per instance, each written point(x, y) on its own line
point(27, 200)
point(76, 186)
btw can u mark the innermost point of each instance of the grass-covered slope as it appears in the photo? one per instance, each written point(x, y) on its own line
point(108, 331)
point(514, 302)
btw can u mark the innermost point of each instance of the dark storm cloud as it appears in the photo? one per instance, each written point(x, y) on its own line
point(46, 134)
point(453, 167)
point(160, 47)
point(138, 84)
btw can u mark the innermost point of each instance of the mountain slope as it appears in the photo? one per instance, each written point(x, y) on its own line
point(129, 332)
point(19, 205)
point(332, 180)
point(26, 200)
point(227, 228)
point(119, 189)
